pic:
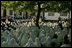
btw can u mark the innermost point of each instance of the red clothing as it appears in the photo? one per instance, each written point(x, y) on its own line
point(6, 17)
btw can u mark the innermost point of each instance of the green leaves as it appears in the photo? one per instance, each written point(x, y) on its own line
point(29, 6)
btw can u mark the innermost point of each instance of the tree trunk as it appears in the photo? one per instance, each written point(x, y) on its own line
point(38, 15)
point(4, 12)
point(43, 16)
point(26, 15)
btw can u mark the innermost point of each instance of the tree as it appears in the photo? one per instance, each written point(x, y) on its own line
point(38, 6)
point(3, 6)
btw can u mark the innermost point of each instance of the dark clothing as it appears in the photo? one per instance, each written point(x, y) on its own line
point(55, 36)
point(66, 41)
point(60, 25)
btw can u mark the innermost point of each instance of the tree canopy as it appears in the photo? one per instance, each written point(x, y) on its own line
point(37, 6)
point(31, 6)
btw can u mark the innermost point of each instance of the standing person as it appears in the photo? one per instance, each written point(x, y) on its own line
point(6, 19)
point(33, 20)
point(40, 20)
point(59, 19)
point(60, 25)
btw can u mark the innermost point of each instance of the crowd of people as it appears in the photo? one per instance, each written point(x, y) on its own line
point(50, 26)
point(60, 23)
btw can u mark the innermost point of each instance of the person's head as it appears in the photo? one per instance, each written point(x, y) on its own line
point(59, 21)
point(33, 18)
point(6, 16)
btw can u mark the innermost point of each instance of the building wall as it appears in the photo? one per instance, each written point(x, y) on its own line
point(7, 12)
point(55, 17)
point(1, 12)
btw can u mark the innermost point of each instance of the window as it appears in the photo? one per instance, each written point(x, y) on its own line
point(11, 12)
point(63, 14)
point(50, 14)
